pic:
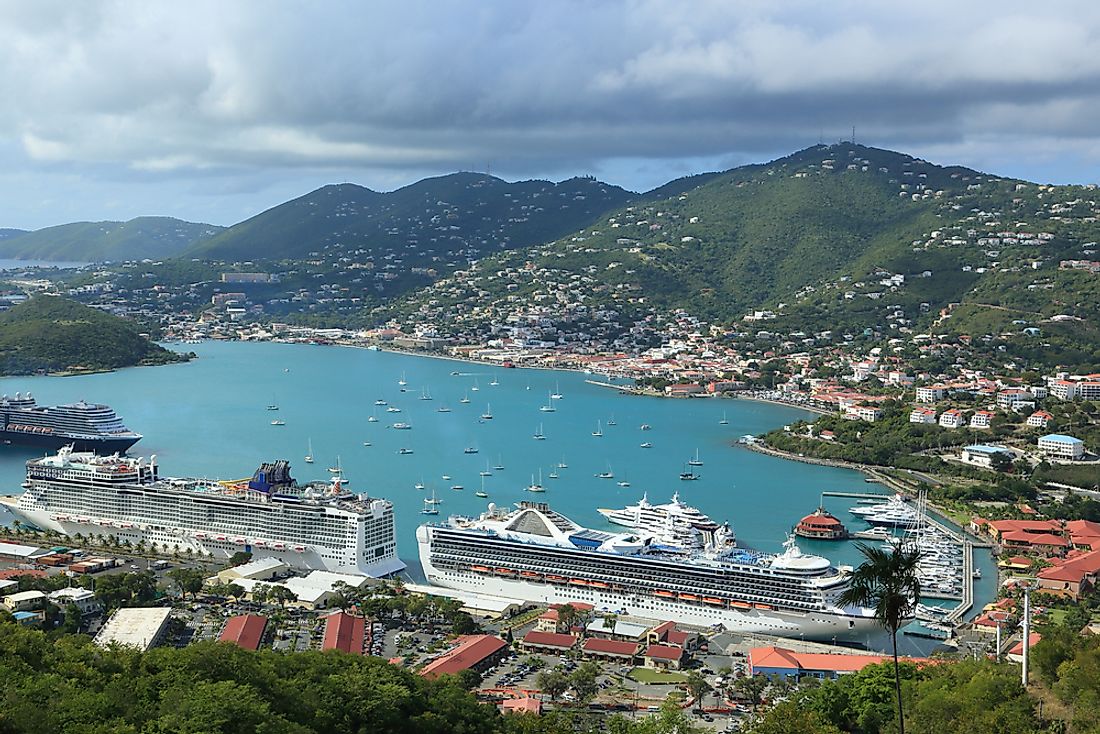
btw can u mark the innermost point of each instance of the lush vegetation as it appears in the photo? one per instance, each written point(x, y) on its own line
point(144, 237)
point(466, 213)
point(52, 334)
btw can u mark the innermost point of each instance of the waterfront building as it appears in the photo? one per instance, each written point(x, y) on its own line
point(783, 663)
point(244, 630)
point(821, 525)
point(470, 652)
point(982, 454)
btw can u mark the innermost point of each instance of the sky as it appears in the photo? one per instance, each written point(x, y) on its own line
point(215, 111)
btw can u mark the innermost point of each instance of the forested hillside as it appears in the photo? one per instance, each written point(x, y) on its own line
point(51, 334)
point(144, 237)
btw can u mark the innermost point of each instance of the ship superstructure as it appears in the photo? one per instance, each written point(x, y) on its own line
point(318, 525)
point(84, 426)
point(537, 554)
point(674, 523)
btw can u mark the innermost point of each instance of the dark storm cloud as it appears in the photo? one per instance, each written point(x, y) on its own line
point(261, 94)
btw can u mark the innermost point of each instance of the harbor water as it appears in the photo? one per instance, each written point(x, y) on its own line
point(211, 418)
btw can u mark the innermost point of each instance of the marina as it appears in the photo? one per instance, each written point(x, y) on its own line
point(327, 404)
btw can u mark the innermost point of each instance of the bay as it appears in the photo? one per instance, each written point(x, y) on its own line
point(209, 418)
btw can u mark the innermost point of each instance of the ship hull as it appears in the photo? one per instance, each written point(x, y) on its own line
point(808, 625)
point(180, 541)
point(53, 442)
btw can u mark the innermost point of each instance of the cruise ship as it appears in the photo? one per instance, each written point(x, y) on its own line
point(318, 525)
point(84, 426)
point(537, 554)
point(674, 523)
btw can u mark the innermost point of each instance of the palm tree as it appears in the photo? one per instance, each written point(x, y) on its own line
point(887, 582)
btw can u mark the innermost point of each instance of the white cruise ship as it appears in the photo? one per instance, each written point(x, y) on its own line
point(318, 525)
point(538, 555)
point(674, 523)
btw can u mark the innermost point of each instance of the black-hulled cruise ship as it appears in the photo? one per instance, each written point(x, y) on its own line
point(539, 555)
point(84, 426)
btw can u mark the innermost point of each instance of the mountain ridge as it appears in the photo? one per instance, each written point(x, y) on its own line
point(135, 239)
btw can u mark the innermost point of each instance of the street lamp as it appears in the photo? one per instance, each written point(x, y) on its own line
point(1027, 633)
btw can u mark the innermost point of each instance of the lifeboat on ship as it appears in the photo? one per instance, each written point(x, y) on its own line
point(598, 584)
point(689, 597)
point(555, 579)
point(278, 546)
point(239, 541)
point(741, 604)
point(578, 582)
point(299, 549)
point(506, 571)
point(200, 536)
point(665, 594)
point(481, 569)
point(762, 606)
point(530, 574)
point(715, 601)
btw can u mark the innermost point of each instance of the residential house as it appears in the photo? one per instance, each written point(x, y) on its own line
point(952, 418)
point(1062, 447)
point(982, 419)
point(923, 415)
point(1039, 419)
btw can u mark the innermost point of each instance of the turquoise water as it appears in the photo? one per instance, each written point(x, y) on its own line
point(209, 418)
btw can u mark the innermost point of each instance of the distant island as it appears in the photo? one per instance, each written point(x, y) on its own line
point(54, 334)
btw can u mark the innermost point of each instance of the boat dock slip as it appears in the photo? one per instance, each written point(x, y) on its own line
point(620, 388)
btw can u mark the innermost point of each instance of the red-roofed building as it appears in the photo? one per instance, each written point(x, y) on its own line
point(1072, 576)
point(1016, 654)
point(1017, 563)
point(998, 527)
point(1047, 543)
point(664, 657)
point(821, 525)
point(548, 621)
point(522, 706)
point(666, 633)
point(14, 573)
point(536, 640)
point(778, 661)
point(617, 650)
point(471, 652)
point(245, 630)
point(1039, 419)
point(344, 632)
point(989, 621)
point(1084, 534)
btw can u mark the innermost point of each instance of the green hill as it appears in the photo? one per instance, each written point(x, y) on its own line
point(455, 217)
point(137, 239)
point(52, 334)
point(841, 238)
point(7, 233)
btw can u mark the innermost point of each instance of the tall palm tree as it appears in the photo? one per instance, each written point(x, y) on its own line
point(887, 582)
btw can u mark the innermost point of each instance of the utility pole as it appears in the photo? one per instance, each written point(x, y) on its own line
point(1027, 634)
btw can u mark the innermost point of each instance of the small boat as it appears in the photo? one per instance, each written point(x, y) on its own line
point(549, 407)
point(646, 445)
point(646, 427)
point(470, 450)
point(499, 466)
point(278, 422)
point(442, 409)
point(379, 401)
point(536, 486)
point(309, 453)
point(446, 477)
point(696, 461)
point(624, 483)
point(393, 409)
point(552, 475)
point(688, 475)
point(485, 472)
point(475, 388)
point(556, 395)
point(433, 500)
point(419, 485)
point(611, 421)
point(562, 464)
point(724, 421)
point(367, 443)
point(481, 492)
point(425, 394)
point(429, 508)
point(606, 474)
point(457, 487)
point(402, 426)
point(495, 382)
point(539, 435)
point(336, 468)
point(599, 430)
point(404, 451)
point(372, 419)
point(488, 414)
point(465, 399)
point(402, 381)
point(455, 373)
point(273, 406)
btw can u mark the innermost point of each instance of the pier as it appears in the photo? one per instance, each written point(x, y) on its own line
point(613, 386)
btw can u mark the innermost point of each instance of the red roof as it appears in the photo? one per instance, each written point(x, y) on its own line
point(14, 573)
point(1022, 536)
point(610, 647)
point(1074, 569)
point(1018, 648)
point(344, 632)
point(549, 639)
point(777, 657)
point(664, 652)
point(245, 630)
point(526, 705)
point(580, 606)
point(470, 650)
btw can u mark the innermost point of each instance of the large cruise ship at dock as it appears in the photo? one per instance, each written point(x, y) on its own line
point(536, 554)
point(84, 426)
point(318, 525)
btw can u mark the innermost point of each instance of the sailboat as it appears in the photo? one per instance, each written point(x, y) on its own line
point(688, 475)
point(336, 468)
point(725, 421)
point(562, 464)
point(379, 401)
point(486, 472)
point(475, 388)
point(481, 492)
point(500, 464)
point(465, 399)
point(553, 474)
point(606, 474)
point(539, 435)
point(278, 422)
point(402, 381)
point(696, 461)
point(309, 453)
point(429, 506)
point(442, 409)
point(556, 395)
point(488, 414)
point(536, 487)
point(425, 394)
point(549, 407)
point(599, 430)
point(273, 405)
point(433, 500)
point(611, 420)
point(373, 417)
point(419, 485)
point(470, 450)
point(495, 382)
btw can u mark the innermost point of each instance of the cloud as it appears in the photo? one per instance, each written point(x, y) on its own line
point(385, 92)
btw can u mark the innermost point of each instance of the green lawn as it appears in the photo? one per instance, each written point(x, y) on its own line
point(647, 675)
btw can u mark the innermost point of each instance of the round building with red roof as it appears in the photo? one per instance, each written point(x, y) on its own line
point(821, 526)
